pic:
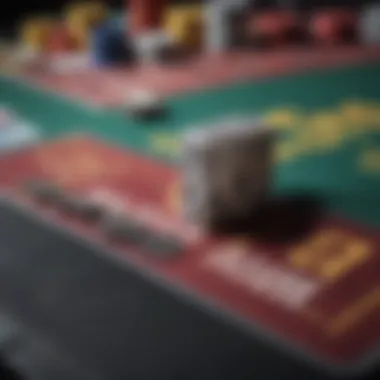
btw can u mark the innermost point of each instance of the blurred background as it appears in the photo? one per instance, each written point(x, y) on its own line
point(13, 12)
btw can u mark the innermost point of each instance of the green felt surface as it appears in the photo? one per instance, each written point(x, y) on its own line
point(329, 121)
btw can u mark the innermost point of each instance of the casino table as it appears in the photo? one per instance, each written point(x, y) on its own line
point(112, 313)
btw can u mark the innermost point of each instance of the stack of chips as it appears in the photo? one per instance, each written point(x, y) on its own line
point(273, 28)
point(218, 33)
point(146, 15)
point(109, 45)
point(333, 26)
point(34, 32)
point(82, 18)
point(60, 40)
point(185, 25)
point(221, 17)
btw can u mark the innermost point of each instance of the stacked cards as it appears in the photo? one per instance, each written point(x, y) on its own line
point(15, 133)
point(226, 170)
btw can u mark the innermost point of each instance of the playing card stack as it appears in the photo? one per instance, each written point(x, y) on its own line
point(226, 171)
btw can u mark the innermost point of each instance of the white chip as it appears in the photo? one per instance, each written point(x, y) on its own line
point(142, 97)
point(231, 127)
point(141, 101)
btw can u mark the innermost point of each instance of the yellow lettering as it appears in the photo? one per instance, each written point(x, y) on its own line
point(349, 317)
point(360, 117)
point(164, 143)
point(326, 130)
point(369, 161)
point(309, 134)
point(286, 151)
point(330, 254)
point(283, 119)
point(356, 312)
point(355, 253)
point(304, 141)
point(323, 131)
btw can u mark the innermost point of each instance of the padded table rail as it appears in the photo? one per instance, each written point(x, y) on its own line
point(117, 323)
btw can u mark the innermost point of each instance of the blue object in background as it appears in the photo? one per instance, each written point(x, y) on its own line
point(120, 20)
point(110, 44)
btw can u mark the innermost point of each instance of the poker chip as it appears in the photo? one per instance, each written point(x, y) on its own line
point(273, 28)
point(333, 26)
point(144, 104)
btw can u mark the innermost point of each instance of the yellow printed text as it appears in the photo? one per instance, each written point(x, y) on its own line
point(353, 314)
point(369, 161)
point(330, 254)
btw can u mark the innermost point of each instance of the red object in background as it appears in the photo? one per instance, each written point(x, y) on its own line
point(334, 26)
point(59, 40)
point(145, 15)
point(274, 27)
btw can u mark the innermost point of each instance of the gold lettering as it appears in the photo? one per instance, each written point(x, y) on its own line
point(164, 143)
point(330, 254)
point(283, 119)
point(304, 141)
point(323, 131)
point(369, 161)
point(326, 131)
point(320, 132)
point(286, 151)
point(355, 312)
point(349, 317)
point(355, 253)
point(360, 117)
